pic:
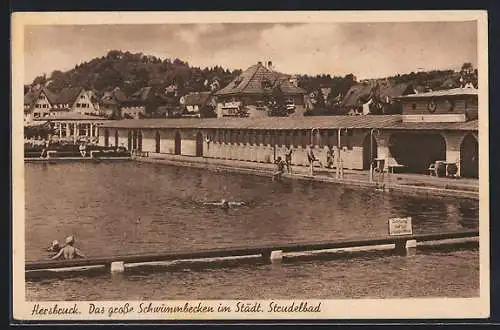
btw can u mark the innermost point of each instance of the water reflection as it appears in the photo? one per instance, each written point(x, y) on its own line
point(100, 204)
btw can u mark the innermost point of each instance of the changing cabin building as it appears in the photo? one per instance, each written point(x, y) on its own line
point(426, 132)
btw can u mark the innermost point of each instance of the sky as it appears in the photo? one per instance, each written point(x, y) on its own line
point(368, 50)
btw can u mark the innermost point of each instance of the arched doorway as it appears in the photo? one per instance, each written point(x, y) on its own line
point(469, 157)
point(106, 137)
point(116, 138)
point(199, 144)
point(416, 151)
point(157, 142)
point(139, 140)
point(177, 150)
point(129, 140)
point(369, 150)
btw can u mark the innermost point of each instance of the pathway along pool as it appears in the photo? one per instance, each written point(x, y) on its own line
point(120, 208)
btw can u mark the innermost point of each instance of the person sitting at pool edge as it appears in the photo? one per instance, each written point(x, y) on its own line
point(69, 252)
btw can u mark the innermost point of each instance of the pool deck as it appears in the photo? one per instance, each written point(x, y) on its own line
point(394, 182)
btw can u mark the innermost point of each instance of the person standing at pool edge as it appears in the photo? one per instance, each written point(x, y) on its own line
point(311, 158)
point(69, 252)
point(288, 159)
point(280, 165)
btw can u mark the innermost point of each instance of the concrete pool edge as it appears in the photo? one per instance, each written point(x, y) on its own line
point(260, 170)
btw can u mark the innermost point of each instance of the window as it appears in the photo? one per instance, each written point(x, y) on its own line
point(82, 96)
point(414, 106)
point(37, 106)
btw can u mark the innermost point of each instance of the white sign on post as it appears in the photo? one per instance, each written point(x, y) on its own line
point(400, 226)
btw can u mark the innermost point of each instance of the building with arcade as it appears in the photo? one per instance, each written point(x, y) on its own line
point(435, 126)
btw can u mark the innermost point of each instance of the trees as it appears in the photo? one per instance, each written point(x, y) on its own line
point(468, 74)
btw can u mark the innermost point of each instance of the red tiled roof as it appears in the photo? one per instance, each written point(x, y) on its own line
point(250, 82)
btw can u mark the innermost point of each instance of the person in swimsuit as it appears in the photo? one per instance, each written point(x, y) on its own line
point(280, 169)
point(288, 159)
point(69, 252)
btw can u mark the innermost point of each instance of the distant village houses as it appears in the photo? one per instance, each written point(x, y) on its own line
point(72, 113)
point(39, 102)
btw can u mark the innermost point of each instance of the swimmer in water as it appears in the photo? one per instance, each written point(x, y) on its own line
point(224, 204)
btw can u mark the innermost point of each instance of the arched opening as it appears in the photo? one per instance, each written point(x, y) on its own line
point(469, 157)
point(106, 137)
point(177, 148)
point(416, 151)
point(129, 146)
point(199, 144)
point(139, 140)
point(369, 150)
point(116, 138)
point(157, 142)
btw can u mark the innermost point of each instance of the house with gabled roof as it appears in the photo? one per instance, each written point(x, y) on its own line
point(144, 101)
point(38, 102)
point(374, 97)
point(194, 102)
point(251, 90)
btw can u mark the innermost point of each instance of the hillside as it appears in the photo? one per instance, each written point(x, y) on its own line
point(132, 72)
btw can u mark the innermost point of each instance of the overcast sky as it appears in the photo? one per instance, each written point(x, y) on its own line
point(368, 50)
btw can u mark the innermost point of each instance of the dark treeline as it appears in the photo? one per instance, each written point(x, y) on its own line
point(131, 72)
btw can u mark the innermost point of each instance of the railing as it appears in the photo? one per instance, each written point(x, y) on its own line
point(265, 250)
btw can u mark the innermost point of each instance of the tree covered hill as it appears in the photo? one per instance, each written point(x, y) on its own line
point(131, 72)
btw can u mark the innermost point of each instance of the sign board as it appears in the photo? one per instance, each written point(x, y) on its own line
point(400, 226)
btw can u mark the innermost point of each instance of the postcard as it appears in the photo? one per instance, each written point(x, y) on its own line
point(250, 165)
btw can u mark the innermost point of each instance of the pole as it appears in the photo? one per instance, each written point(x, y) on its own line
point(337, 172)
point(311, 165)
point(371, 155)
point(371, 152)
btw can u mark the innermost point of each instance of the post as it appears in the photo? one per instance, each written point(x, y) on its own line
point(60, 130)
point(272, 257)
point(371, 152)
point(117, 267)
point(74, 131)
point(91, 130)
point(337, 172)
point(406, 247)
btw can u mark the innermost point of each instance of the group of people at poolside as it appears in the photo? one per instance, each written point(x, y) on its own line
point(65, 252)
point(282, 164)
